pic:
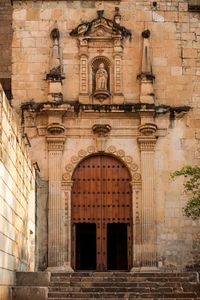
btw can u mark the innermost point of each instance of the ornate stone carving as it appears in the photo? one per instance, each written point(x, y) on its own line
point(101, 130)
point(134, 167)
point(91, 149)
point(112, 149)
point(55, 143)
point(69, 167)
point(56, 128)
point(101, 40)
point(121, 153)
point(136, 177)
point(94, 27)
point(128, 159)
point(82, 153)
point(147, 144)
point(148, 129)
point(74, 159)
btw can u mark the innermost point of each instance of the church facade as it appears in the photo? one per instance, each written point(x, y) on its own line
point(107, 93)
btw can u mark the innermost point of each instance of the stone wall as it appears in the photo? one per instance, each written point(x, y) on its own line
point(174, 47)
point(17, 200)
point(5, 45)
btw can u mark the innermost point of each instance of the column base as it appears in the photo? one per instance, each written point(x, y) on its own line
point(64, 269)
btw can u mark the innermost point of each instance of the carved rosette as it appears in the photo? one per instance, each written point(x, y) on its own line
point(119, 153)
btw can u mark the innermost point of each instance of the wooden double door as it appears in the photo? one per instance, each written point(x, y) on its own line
point(101, 215)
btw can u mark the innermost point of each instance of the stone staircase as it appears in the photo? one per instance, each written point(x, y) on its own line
point(114, 285)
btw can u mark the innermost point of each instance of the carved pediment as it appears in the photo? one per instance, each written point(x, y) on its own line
point(101, 27)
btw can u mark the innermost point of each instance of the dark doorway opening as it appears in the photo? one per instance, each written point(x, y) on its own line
point(85, 246)
point(117, 246)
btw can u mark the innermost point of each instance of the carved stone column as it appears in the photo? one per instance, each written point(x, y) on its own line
point(56, 207)
point(147, 142)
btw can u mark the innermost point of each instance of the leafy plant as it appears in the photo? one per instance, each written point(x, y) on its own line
point(192, 185)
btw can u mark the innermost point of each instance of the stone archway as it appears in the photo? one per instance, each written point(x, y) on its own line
point(135, 184)
point(101, 214)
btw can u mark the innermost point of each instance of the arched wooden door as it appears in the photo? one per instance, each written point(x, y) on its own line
point(101, 214)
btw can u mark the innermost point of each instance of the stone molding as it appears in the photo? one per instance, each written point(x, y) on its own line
point(82, 153)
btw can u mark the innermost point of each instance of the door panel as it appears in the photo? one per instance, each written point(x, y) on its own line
point(101, 194)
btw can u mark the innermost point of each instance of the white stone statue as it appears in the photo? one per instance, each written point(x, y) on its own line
point(101, 78)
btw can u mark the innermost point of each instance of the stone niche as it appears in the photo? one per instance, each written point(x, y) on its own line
point(101, 44)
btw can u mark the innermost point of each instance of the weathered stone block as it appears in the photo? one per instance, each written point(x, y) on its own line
point(34, 279)
point(27, 293)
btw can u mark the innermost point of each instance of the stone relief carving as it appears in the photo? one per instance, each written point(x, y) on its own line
point(87, 28)
point(75, 159)
point(101, 130)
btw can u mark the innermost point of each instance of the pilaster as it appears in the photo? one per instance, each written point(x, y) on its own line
point(56, 206)
point(136, 206)
point(66, 196)
point(147, 142)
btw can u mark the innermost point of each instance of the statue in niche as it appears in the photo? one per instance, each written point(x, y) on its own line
point(101, 83)
point(101, 78)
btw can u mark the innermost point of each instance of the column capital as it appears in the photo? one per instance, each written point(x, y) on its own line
point(147, 143)
point(55, 143)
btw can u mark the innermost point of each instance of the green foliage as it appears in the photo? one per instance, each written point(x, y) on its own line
point(192, 185)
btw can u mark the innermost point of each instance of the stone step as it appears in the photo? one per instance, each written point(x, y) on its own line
point(115, 285)
point(122, 279)
point(185, 295)
point(130, 298)
point(123, 274)
point(121, 284)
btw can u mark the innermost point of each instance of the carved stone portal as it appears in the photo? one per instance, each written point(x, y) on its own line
point(101, 43)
